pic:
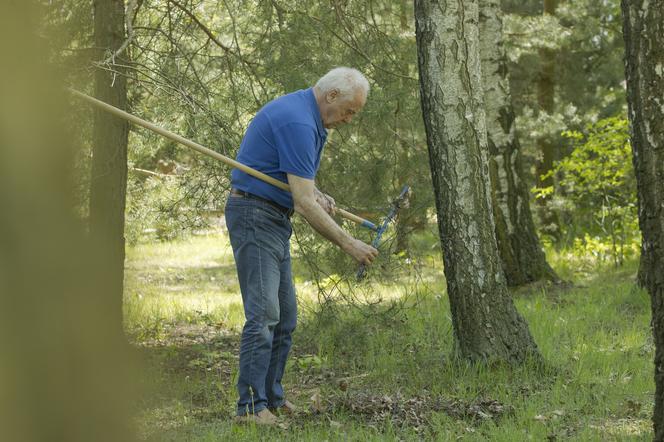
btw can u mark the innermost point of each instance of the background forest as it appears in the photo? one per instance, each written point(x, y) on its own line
point(372, 360)
point(202, 69)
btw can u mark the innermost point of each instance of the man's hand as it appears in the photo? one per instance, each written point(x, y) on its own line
point(362, 252)
point(325, 201)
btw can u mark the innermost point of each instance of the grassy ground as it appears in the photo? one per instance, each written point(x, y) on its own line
point(376, 373)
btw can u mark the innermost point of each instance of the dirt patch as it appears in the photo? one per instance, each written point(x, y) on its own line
point(415, 411)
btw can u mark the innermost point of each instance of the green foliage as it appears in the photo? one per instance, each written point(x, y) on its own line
point(586, 37)
point(158, 209)
point(206, 77)
point(529, 33)
point(598, 184)
point(310, 362)
point(202, 68)
point(598, 249)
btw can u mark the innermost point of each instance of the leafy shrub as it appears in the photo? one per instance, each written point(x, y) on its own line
point(597, 184)
point(601, 250)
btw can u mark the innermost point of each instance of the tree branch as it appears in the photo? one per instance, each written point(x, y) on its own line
point(129, 23)
point(203, 28)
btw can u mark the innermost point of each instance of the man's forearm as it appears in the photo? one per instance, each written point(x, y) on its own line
point(323, 223)
point(305, 204)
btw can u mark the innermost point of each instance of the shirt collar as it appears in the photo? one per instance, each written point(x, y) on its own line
point(316, 113)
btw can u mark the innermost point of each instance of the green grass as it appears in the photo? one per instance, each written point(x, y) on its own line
point(388, 374)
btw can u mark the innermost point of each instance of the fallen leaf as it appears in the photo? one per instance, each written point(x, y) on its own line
point(316, 403)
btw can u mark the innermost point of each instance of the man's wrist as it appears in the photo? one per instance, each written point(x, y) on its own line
point(346, 242)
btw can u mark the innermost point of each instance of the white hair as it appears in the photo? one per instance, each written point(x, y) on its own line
point(348, 81)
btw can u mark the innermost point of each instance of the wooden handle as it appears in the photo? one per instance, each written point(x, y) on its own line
point(204, 150)
point(357, 219)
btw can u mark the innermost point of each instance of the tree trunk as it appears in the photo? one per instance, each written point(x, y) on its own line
point(109, 154)
point(410, 217)
point(545, 145)
point(64, 373)
point(643, 29)
point(521, 253)
point(486, 324)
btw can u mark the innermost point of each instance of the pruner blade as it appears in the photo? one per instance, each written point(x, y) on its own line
point(396, 205)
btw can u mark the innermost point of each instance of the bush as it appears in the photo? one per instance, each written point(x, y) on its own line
point(597, 185)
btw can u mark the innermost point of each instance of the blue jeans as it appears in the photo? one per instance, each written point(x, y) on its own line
point(260, 237)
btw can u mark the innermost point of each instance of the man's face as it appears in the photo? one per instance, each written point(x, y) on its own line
point(341, 109)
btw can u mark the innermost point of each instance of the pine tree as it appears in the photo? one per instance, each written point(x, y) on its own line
point(108, 184)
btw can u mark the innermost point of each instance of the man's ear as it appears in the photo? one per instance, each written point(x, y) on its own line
point(332, 95)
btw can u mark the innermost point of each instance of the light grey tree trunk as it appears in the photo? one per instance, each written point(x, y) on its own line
point(108, 184)
point(643, 30)
point(486, 324)
point(520, 250)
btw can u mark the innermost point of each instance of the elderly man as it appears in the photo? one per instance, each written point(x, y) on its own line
point(285, 140)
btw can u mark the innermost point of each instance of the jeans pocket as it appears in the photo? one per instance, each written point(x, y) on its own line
point(272, 229)
point(267, 213)
point(236, 223)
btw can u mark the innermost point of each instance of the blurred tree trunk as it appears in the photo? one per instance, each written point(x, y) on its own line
point(109, 152)
point(643, 30)
point(64, 372)
point(545, 145)
point(486, 324)
point(520, 250)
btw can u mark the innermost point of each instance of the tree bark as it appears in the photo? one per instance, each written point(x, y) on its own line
point(545, 146)
point(109, 153)
point(487, 326)
point(520, 250)
point(643, 30)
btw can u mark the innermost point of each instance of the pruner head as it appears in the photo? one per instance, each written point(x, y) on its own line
point(401, 201)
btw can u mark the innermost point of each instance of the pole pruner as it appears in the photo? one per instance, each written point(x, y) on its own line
point(396, 205)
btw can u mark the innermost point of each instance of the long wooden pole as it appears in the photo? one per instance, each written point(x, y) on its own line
point(209, 152)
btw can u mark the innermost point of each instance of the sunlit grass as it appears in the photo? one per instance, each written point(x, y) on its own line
point(181, 281)
point(183, 305)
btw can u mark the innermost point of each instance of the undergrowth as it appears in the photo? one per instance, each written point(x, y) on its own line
point(387, 371)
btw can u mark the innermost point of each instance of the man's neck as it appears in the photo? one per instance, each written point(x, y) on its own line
point(320, 99)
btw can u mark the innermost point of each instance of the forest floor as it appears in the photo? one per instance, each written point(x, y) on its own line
point(374, 373)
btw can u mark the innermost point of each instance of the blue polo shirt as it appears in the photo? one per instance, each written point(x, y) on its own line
point(285, 136)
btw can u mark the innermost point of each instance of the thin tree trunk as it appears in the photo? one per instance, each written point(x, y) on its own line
point(409, 219)
point(403, 16)
point(643, 29)
point(486, 324)
point(520, 250)
point(545, 146)
point(109, 154)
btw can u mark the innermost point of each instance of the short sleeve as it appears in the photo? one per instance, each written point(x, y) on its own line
point(296, 144)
